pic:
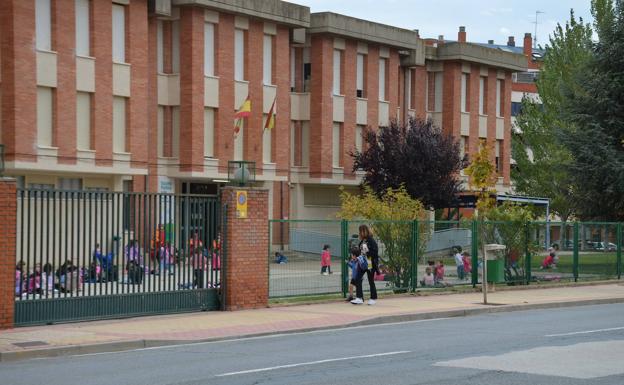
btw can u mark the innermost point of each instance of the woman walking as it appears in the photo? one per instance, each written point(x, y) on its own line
point(368, 247)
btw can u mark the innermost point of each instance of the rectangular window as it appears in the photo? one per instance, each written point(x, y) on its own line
point(293, 67)
point(70, 184)
point(239, 54)
point(119, 33)
point(83, 120)
point(482, 95)
point(208, 132)
point(267, 60)
point(499, 158)
point(160, 124)
point(516, 108)
point(209, 37)
point(119, 124)
point(238, 144)
point(43, 25)
point(307, 69)
point(439, 82)
point(337, 70)
point(499, 95)
point(267, 137)
point(359, 138)
point(45, 103)
point(359, 80)
point(336, 136)
point(160, 49)
point(408, 88)
point(82, 28)
point(305, 143)
point(175, 131)
point(464, 93)
point(463, 146)
point(382, 79)
point(175, 47)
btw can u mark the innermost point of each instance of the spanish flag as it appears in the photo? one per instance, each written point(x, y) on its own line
point(270, 121)
point(243, 112)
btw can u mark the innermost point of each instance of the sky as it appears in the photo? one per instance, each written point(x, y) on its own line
point(484, 20)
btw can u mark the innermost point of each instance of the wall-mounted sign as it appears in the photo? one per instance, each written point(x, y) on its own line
point(241, 204)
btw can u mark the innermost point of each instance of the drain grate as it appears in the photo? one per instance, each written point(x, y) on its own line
point(30, 344)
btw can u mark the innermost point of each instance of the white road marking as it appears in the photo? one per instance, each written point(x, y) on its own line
point(584, 332)
point(311, 363)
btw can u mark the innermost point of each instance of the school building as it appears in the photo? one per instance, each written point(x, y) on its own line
point(142, 95)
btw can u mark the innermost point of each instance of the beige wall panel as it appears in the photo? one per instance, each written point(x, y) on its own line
point(121, 80)
point(46, 69)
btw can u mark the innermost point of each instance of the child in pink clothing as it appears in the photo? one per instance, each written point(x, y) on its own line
point(325, 261)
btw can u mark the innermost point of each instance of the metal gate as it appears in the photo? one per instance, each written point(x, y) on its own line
point(85, 255)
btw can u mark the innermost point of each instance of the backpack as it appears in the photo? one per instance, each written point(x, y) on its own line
point(363, 263)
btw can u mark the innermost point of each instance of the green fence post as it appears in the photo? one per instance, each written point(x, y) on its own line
point(344, 253)
point(575, 253)
point(527, 254)
point(414, 255)
point(619, 250)
point(475, 253)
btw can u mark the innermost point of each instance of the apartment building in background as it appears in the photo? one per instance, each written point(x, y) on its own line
point(141, 95)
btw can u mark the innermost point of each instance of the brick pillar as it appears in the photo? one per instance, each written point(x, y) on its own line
point(372, 87)
point(281, 76)
point(473, 100)
point(224, 119)
point(321, 107)
point(491, 111)
point(246, 242)
point(451, 88)
point(253, 131)
point(506, 107)
point(101, 32)
point(419, 85)
point(8, 210)
point(350, 107)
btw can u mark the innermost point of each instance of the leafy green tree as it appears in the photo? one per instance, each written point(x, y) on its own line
point(545, 172)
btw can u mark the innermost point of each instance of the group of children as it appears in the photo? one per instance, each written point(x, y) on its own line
point(434, 275)
point(463, 263)
point(45, 280)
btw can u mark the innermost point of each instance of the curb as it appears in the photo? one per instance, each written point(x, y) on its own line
point(110, 347)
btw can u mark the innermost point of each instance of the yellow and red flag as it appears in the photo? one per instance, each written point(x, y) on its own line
point(270, 121)
point(243, 112)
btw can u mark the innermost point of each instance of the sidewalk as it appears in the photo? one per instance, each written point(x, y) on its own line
point(135, 333)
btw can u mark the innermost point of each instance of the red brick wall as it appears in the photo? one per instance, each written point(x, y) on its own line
point(392, 83)
point(8, 209)
point(491, 111)
point(451, 90)
point(101, 32)
point(247, 243)
point(19, 92)
point(253, 73)
point(191, 89)
point(372, 86)
point(419, 84)
point(64, 36)
point(321, 107)
point(224, 63)
point(152, 105)
point(348, 77)
point(473, 100)
point(281, 78)
point(506, 101)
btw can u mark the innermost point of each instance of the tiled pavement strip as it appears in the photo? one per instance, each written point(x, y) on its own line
point(133, 333)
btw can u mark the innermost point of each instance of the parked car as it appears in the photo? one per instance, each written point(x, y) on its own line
point(605, 246)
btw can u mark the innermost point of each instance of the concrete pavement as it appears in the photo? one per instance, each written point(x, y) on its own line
point(135, 333)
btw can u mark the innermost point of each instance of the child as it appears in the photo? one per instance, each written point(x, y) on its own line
point(199, 262)
point(351, 264)
point(20, 277)
point(428, 279)
point(467, 263)
point(549, 261)
point(280, 258)
point(325, 261)
point(459, 262)
point(361, 267)
point(48, 277)
point(438, 272)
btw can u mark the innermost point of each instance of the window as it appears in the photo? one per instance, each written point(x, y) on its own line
point(160, 125)
point(83, 120)
point(45, 101)
point(359, 81)
point(160, 49)
point(175, 131)
point(119, 124)
point(482, 95)
point(293, 67)
point(119, 33)
point(516, 108)
point(499, 95)
point(438, 80)
point(465, 84)
point(267, 61)
point(239, 54)
point(43, 25)
point(82, 28)
point(209, 132)
point(408, 87)
point(382, 79)
point(209, 49)
point(238, 143)
point(359, 132)
point(499, 158)
point(337, 70)
point(70, 184)
point(175, 47)
point(463, 146)
point(267, 136)
point(307, 70)
point(336, 138)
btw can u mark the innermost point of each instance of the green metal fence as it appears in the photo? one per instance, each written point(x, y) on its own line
point(96, 254)
point(410, 249)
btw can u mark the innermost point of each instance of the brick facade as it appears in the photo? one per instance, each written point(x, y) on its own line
point(247, 242)
point(8, 214)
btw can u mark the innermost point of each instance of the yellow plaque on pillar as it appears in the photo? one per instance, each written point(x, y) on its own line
point(241, 204)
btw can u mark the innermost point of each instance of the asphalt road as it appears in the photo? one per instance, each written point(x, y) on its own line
point(580, 345)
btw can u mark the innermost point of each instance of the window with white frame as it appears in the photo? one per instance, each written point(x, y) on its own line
point(45, 101)
point(359, 138)
point(209, 132)
point(464, 92)
point(382, 79)
point(359, 80)
point(119, 33)
point(160, 126)
point(439, 93)
point(83, 18)
point(209, 53)
point(482, 95)
point(336, 136)
point(293, 67)
point(175, 46)
point(499, 94)
point(239, 54)
point(408, 87)
point(119, 124)
point(267, 60)
point(83, 120)
point(43, 25)
point(337, 70)
point(160, 49)
point(499, 158)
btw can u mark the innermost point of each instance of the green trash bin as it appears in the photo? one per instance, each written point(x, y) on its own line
point(496, 271)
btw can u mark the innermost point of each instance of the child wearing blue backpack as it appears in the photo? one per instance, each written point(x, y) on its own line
point(360, 266)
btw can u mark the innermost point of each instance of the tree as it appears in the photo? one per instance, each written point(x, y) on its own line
point(482, 178)
point(416, 155)
point(391, 219)
point(545, 172)
point(594, 105)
